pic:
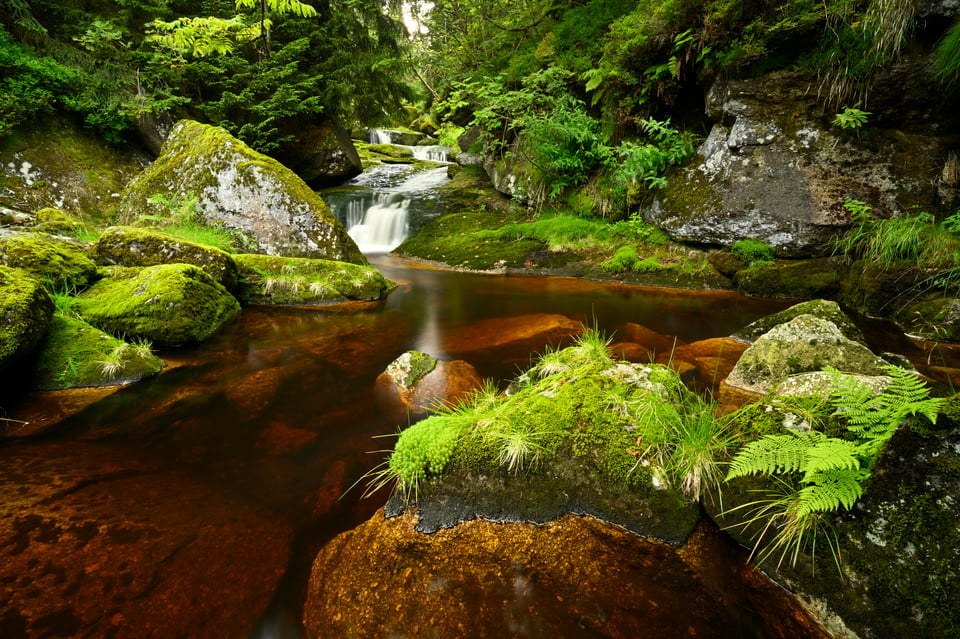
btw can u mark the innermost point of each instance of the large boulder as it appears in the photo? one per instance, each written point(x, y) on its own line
point(128, 246)
point(416, 382)
point(774, 169)
point(169, 304)
point(61, 262)
point(803, 344)
point(292, 281)
point(25, 313)
point(575, 577)
point(232, 185)
point(515, 176)
point(54, 162)
point(322, 154)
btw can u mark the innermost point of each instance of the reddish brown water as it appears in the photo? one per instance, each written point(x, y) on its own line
point(276, 413)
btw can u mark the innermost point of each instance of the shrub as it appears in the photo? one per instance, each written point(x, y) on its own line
point(753, 251)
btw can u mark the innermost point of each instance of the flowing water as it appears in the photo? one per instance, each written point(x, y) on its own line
point(277, 412)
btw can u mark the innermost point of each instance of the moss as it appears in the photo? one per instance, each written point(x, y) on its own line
point(55, 221)
point(391, 151)
point(128, 246)
point(58, 262)
point(266, 279)
point(792, 279)
point(169, 304)
point(241, 189)
point(75, 354)
point(25, 312)
point(824, 309)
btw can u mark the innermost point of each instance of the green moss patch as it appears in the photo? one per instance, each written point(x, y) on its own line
point(58, 262)
point(25, 312)
point(265, 279)
point(75, 354)
point(128, 246)
point(169, 304)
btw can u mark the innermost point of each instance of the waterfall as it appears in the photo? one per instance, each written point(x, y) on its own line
point(433, 152)
point(384, 224)
point(380, 136)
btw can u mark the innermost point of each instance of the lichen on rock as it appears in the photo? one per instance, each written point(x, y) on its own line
point(803, 344)
point(266, 279)
point(128, 246)
point(169, 304)
point(240, 189)
point(25, 313)
point(57, 261)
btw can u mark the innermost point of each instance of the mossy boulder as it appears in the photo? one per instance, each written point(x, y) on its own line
point(25, 313)
point(804, 344)
point(556, 443)
point(240, 189)
point(392, 151)
point(74, 354)
point(266, 279)
point(56, 222)
point(60, 262)
point(128, 246)
point(55, 162)
point(824, 309)
point(799, 279)
point(515, 176)
point(169, 304)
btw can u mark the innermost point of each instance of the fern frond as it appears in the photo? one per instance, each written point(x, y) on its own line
point(830, 453)
point(772, 454)
point(908, 395)
point(830, 490)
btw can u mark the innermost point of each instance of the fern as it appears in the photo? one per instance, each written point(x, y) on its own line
point(829, 472)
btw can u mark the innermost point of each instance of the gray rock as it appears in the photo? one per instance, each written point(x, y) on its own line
point(241, 189)
point(824, 309)
point(321, 153)
point(804, 344)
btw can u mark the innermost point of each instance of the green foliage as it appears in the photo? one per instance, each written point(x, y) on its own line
point(851, 118)
point(647, 163)
point(946, 57)
point(827, 473)
point(625, 259)
point(753, 251)
point(29, 83)
point(184, 221)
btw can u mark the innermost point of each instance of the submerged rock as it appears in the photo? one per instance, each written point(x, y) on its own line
point(241, 189)
point(415, 382)
point(517, 336)
point(573, 577)
point(104, 541)
point(49, 258)
point(25, 313)
point(169, 304)
point(803, 344)
point(128, 246)
point(266, 279)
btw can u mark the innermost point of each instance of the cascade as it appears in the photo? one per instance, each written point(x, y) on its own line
point(380, 217)
point(380, 136)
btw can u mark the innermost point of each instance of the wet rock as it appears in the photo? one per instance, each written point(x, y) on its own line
point(570, 578)
point(240, 189)
point(266, 279)
point(102, 541)
point(60, 261)
point(25, 313)
point(394, 151)
point(517, 336)
point(654, 341)
point(74, 354)
point(12, 217)
point(169, 304)
point(516, 177)
point(128, 246)
point(712, 359)
point(322, 153)
point(774, 169)
point(415, 382)
point(631, 352)
point(798, 279)
point(805, 343)
point(824, 309)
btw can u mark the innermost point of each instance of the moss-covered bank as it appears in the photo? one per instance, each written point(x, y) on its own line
point(265, 279)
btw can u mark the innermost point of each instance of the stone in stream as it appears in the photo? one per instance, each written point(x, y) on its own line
point(415, 382)
point(208, 174)
point(517, 337)
point(25, 313)
point(49, 258)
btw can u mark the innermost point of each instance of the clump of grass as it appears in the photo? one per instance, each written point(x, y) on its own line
point(753, 251)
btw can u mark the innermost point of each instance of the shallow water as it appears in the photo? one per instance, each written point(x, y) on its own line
point(277, 412)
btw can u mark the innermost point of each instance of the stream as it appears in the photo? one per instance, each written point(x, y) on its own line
point(275, 420)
